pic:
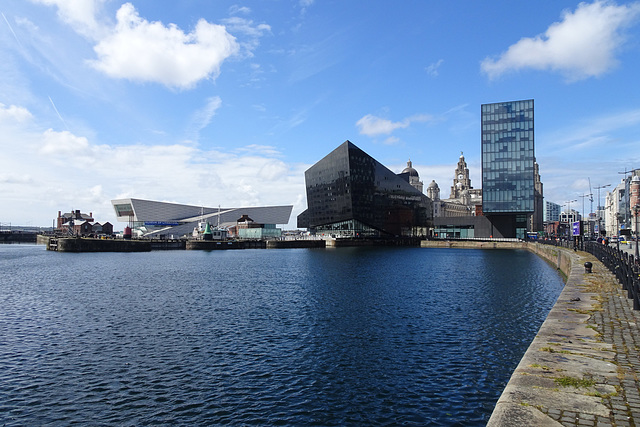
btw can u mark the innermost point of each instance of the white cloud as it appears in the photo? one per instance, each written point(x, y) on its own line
point(49, 170)
point(203, 117)
point(237, 10)
point(63, 144)
point(432, 69)
point(582, 45)
point(371, 125)
point(140, 50)
point(593, 132)
point(14, 114)
point(392, 140)
point(80, 15)
point(246, 27)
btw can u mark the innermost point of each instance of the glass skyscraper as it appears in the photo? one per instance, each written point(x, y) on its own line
point(351, 194)
point(508, 157)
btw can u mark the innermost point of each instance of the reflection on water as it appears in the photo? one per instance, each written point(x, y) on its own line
point(357, 336)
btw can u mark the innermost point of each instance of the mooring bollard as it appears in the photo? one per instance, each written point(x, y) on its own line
point(587, 267)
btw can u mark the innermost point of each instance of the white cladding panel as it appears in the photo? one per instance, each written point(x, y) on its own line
point(148, 210)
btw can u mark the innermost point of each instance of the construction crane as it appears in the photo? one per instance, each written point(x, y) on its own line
point(584, 196)
point(590, 194)
point(626, 172)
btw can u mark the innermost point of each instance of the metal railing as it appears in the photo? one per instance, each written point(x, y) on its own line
point(623, 265)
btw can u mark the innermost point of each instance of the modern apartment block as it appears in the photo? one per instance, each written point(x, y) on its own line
point(551, 211)
point(508, 165)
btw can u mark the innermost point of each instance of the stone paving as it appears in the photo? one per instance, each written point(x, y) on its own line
point(583, 367)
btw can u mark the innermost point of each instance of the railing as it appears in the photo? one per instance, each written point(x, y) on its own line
point(622, 264)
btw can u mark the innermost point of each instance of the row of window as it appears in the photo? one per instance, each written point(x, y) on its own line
point(526, 126)
point(495, 137)
point(507, 206)
point(507, 194)
point(508, 169)
point(507, 107)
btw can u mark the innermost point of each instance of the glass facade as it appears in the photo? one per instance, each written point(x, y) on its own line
point(454, 232)
point(349, 193)
point(551, 211)
point(508, 157)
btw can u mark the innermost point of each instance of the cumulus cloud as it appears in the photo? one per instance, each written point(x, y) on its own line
point(63, 143)
point(80, 15)
point(48, 170)
point(140, 50)
point(14, 114)
point(582, 45)
point(371, 125)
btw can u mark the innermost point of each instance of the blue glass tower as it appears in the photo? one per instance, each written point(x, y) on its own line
point(508, 157)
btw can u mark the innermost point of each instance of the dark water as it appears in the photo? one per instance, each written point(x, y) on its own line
point(352, 336)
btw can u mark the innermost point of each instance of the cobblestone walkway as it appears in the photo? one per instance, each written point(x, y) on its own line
point(572, 377)
point(617, 324)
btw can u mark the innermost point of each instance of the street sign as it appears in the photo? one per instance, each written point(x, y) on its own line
point(576, 228)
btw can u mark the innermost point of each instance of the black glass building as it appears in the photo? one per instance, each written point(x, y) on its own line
point(508, 182)
point(351, 194)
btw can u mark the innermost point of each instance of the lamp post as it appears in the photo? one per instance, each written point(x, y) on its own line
point(636, 210)
point(618, 216)
point(569, 213)
point(583, 196)
point(598, 207)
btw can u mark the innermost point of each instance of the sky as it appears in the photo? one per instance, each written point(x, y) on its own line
point(227, 103)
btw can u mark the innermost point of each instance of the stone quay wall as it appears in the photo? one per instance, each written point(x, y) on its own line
point(582, 368)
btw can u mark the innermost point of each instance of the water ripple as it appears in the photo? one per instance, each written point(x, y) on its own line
point(355, 336)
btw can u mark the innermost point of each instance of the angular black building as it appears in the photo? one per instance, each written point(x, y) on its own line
point(350, 194)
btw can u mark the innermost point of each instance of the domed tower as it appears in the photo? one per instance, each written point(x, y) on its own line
point(433, 191)
point(414, 177)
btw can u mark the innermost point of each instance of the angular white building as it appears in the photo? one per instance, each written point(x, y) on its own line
point(162, 219)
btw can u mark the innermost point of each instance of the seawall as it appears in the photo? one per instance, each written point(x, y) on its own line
point(567, 375)
point(212, 245)
point(17, 237)
point(73, 244)
point(290, 244)
point(473, 244)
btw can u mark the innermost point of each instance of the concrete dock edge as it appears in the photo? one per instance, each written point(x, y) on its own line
point(570, 374)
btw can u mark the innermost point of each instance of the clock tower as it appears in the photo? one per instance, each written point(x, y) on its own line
point(461, 180)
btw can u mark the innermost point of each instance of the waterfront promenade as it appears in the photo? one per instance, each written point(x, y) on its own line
point(583, 367)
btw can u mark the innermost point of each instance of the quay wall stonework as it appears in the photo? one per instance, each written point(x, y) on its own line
point(567, 374)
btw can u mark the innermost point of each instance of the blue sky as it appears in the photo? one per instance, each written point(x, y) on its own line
point(228, 103)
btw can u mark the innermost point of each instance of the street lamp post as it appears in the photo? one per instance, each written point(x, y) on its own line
point(636, 210)
point(598, 207)
point(569, 233)
point(618, 216)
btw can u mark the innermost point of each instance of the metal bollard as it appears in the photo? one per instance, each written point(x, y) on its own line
point(587, 267)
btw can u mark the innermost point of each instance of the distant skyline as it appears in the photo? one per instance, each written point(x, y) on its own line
point(228, 103)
